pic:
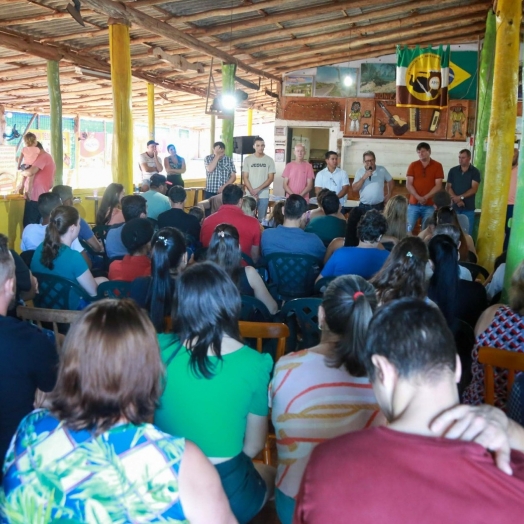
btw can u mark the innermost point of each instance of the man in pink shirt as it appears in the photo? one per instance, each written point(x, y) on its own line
point(40, 177)
point(404, 473)
point(298, 175)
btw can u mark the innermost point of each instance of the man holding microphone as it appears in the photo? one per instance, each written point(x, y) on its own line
point(369, 182)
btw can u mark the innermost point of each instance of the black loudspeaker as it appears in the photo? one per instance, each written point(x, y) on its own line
point(243, 145)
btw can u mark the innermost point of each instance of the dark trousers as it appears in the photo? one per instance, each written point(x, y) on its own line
point(367, 207)
point(31, 213)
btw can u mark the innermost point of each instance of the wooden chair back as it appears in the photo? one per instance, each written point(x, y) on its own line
point(266, 330)
point(52, 316)
point(498, 358)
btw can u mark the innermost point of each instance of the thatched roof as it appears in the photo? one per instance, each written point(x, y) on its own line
point(265, 38)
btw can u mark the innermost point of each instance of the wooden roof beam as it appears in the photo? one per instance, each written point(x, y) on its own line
point(119, 11)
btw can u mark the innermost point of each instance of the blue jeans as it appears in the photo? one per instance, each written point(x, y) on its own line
point(416, 211)
point(470, 213)
point(262, 204)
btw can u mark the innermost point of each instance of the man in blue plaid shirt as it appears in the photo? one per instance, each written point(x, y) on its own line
point(220, 170)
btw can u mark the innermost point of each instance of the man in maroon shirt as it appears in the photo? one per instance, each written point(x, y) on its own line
point(403, 473)
point(231, 213)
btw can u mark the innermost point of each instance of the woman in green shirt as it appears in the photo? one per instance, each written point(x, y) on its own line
point(216, 387)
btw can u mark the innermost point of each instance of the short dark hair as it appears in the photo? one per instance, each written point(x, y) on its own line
point(294, 207)
point(424, 145)
point(133, 206)
point(329, 153)
point(136, 233)
point(157, 180)
point(64, 192)
point(177, 194)
point(372, 226)
point(221, 144)
point(450, 230)
point(197, 212)
point(47, 202)
point(258, 139)
point(112, 343)
point(330, 203)
point(466, 151)
point(414, 337)
point(368, 153)
point(231, 194)
point(442, 199)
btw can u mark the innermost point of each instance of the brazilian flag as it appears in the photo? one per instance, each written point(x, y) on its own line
point(463, 67)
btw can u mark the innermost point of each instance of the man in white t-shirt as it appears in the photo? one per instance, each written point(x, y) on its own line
point(369, 182)
point(333, 178)
point(258, 173)
point(33, 234)
point(149, 162)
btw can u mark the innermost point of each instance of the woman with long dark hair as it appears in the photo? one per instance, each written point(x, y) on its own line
point(315, 380)
point(109, 212)
point(175, 166)
point(168, 259)
point(224, 250)
point(55, 256)
point(94, 455)
point(216, 387)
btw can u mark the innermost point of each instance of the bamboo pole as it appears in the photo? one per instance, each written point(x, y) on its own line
point(212, 132)
point(250, 121)
point(228, 124)
point(151, 110)
point(484, 100)
point(55, 111)
point(122, 159)
point(501, 131)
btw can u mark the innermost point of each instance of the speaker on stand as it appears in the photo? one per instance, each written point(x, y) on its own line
point(243, 145)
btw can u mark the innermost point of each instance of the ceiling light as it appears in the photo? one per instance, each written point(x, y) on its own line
point(228, 101)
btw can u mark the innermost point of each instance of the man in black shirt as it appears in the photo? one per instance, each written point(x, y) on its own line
point(28, 356)
point(177, 217)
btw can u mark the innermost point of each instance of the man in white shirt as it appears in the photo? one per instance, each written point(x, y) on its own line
point(333, 178)
point(149, 162)
point(258, 173)
point(369, 182)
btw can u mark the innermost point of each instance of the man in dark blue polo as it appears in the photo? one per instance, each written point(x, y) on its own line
point(462, 184)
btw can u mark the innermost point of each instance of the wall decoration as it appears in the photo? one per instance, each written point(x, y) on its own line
point(359, 116)
point(298, 85)
point(377, 78)
point(336, 82)
point(458, 113)
point(463, 75)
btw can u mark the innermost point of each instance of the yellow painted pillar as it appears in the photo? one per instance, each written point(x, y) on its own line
point(120, 55)
point(501, 132)
point(151, 110)
point(250, 122)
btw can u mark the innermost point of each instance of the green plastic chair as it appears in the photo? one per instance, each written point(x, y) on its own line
point(253, 310)
point(475, 270)
point(301, 317)
point(322, 284)
point(114, 289)
point(56, 292)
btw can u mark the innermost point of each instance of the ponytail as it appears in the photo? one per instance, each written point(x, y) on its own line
point(224, 250)
point(349, 303)
point(61, 219)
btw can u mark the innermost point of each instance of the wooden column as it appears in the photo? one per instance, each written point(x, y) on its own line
point(250, 122)
point(151, 110)
point(55, 110)
point(484, 101)
point(212, 132)
point(501, 131)
point(228, 124)
point(2, 124)
point(120, 56)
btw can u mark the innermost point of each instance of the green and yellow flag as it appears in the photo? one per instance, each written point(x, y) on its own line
point(422, 77)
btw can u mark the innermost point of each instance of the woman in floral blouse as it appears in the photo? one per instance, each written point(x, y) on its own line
point(93, 456)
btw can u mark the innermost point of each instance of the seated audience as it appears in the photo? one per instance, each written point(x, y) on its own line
point(105, 460)
point(502, 327)
point(365, 259)
point(276, 218)
point(382, 474)
point(86, 234)
point(26, 283)
point(155, 292)
point(231, 213)
point(404, 272)
point(33, 234)
point(319, 211)
point(224, 250)
point(453, 232)
point(328, 226)
point(290, 237)
point(157, 202)
point(109, 210)
point(55, 256)
point(177, 217)
point(211, 205)
point(133, 206)
point(249, 205)
point(443, 199)
point(396, 213)
point(29, 358)
point(495, 282)
point(216, 387)
point(198, 213)
point(136, 237)
point(315, 380)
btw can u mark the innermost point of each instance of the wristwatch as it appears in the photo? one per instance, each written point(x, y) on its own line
point(461, 198)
